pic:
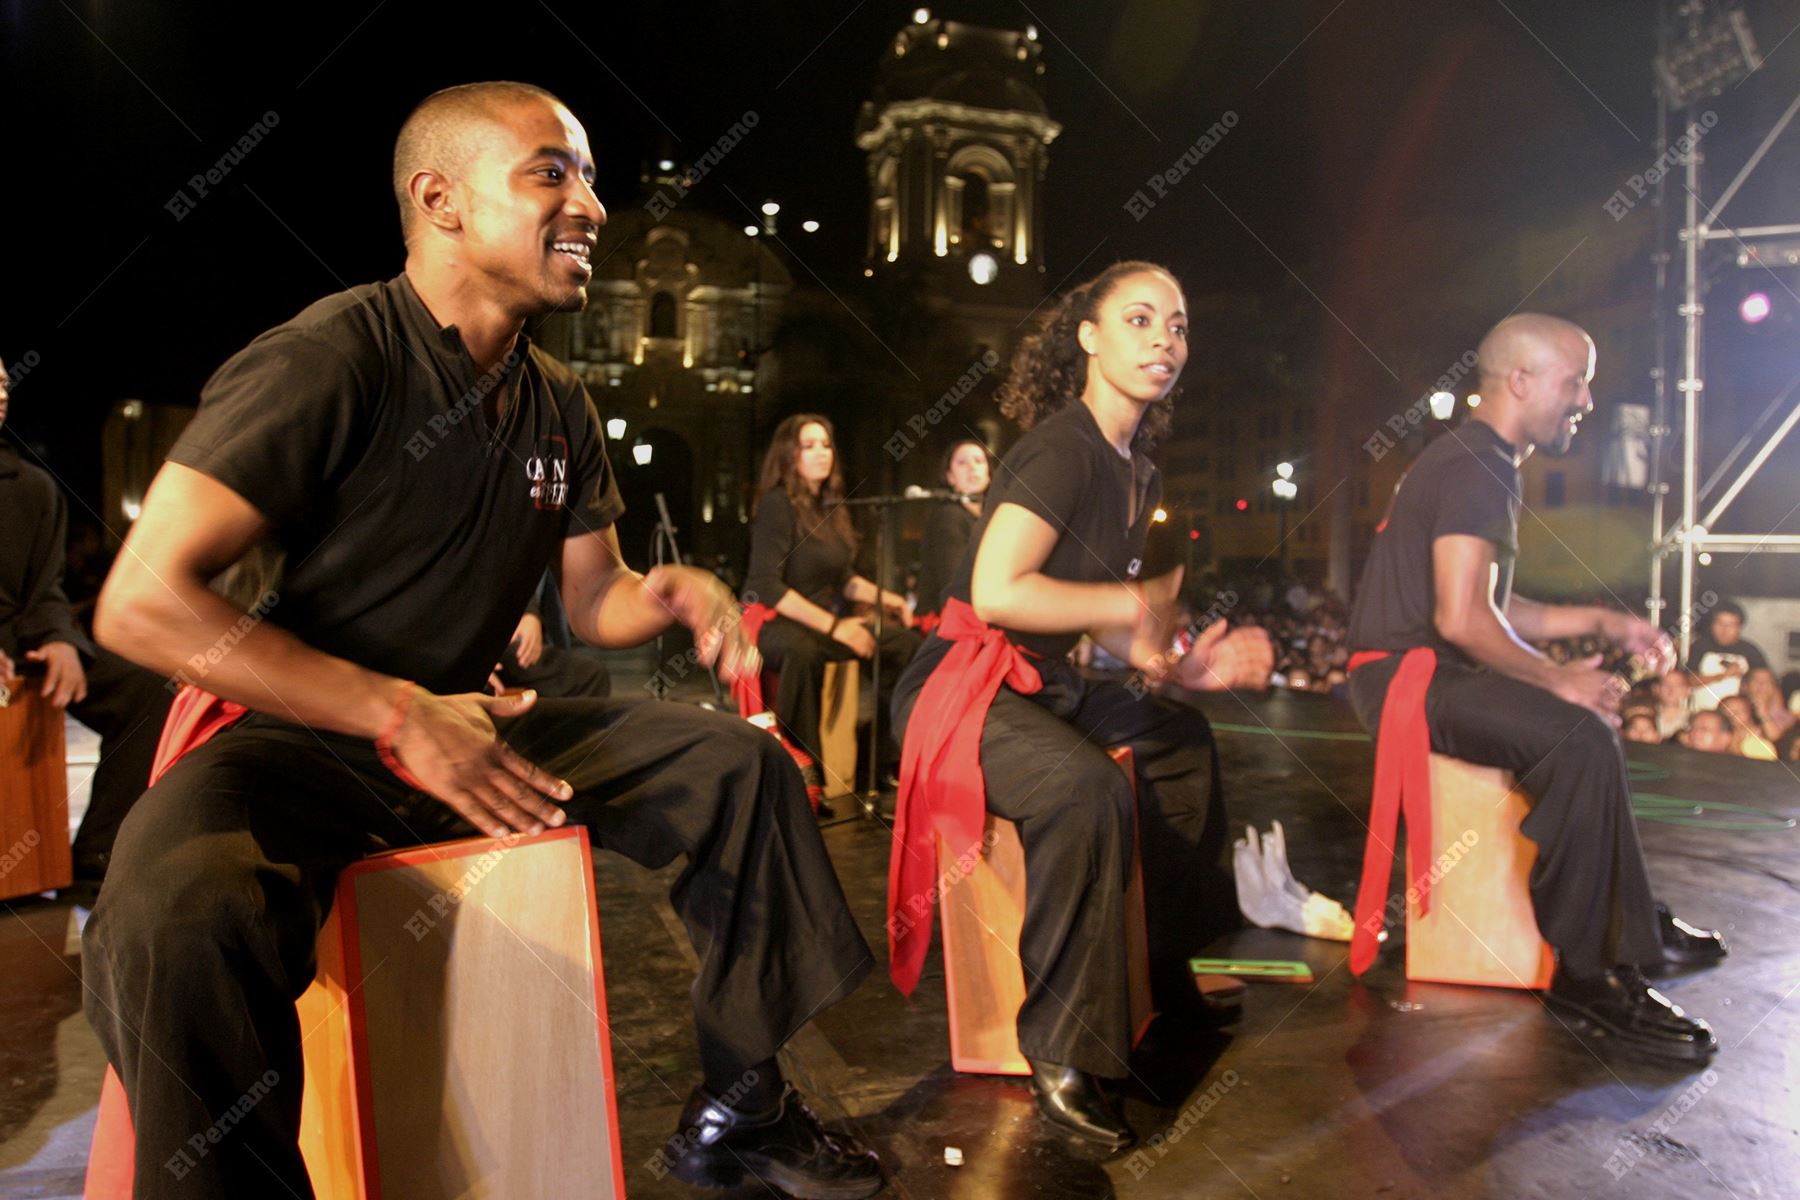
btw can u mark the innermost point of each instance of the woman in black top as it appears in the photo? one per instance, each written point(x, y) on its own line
point(951, 523)
point(801, 550)
point(1059, 553)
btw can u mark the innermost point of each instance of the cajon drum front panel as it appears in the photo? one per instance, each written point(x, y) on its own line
point(980, 916)
point(837, 726)
point(1481, 927)
point(34, 795)
point(476, 1011)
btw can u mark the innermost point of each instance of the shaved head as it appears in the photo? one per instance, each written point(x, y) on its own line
point(1526, 342)
point(438, 135)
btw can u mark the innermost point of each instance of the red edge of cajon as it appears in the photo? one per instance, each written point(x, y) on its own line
point(365, 1094)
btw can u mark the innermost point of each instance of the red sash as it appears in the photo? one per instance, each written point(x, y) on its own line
point(194, 719)
point(1402, 783)
point(747, 689)
point(941, 788)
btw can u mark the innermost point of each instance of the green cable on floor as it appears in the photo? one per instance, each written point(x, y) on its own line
point(1646, 806)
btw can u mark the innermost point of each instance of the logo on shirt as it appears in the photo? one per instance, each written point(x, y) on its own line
point(548, 470)
point(1131, 572)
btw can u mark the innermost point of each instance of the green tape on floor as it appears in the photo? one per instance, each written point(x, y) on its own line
point(1324, 735)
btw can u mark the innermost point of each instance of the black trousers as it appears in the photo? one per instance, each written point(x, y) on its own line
point(559, 672)
point(203, 935)
point(800, 655)
point(1590, 888)
point(126, 705)
point(1044, 761)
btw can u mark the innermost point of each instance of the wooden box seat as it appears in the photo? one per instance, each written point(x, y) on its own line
point(34, 794)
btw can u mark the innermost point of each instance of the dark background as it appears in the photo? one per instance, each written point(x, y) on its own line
point(1356, 120)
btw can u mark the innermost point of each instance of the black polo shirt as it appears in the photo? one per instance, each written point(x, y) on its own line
point(1065, 471)
point(814, 562)
point(1466, 482)
point(414, 534)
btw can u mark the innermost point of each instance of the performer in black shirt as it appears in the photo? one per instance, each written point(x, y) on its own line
point(996, 718)
point(950, 526)
point(124, 704)
point(1442, 643)
point(420, 463)
point(801, 577)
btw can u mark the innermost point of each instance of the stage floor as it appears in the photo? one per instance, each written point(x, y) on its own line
point(1382, 1089)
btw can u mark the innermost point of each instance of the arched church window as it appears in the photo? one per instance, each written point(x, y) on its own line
point(662, 315)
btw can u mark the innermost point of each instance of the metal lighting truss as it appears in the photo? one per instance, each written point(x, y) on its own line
point(1717, 52)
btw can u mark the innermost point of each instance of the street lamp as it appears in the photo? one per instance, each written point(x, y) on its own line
point(615, 429)
point(1285, 490)
point(642, 453)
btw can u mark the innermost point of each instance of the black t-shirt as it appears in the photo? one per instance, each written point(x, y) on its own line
point(1754, 659)
point(814, 562)
point(1466, 482)
point(1066, 472)
point(413, 534)
point(949, 529)
point(33, 524)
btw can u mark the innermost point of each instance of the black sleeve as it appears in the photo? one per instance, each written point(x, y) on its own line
point(772, 540)
point(1474, 502)
point(1045, 478)
point(45, 615)
point(279, 421)
point(594, 492)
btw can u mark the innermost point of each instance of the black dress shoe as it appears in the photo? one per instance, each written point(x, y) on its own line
point(1072, 1101)
point(825, 812)
point(1621, 1004)
point(1684, 945)
point(719, 1147)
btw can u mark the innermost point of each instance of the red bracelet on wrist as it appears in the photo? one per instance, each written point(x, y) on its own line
point(384, 741)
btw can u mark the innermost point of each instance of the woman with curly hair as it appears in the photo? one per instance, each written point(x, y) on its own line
point(801, 580)
point(997, 720)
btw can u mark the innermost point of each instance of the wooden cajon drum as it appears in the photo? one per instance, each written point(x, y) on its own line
point(980, 917)
point(1481, 928)
point(837, 726)
point(455, 1036)
point(34, 794)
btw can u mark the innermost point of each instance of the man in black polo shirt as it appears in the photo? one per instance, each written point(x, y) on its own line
point(418, 463)
point(1439, 582)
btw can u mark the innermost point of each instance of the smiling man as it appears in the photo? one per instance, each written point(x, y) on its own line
point(418, 462)
point(1442, 644)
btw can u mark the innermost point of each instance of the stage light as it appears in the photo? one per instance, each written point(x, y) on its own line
point(1442, 405)
point(1193, 535)
point(1474, 399)
point(921, 15)
point(1243, 505)
point(665, 164)
point(1160, 515)
point(751, 231)
point(770, 208)
point(868, 272)
point(1755, 308)
point(1285, 489)
point(1031, 33)
point(982, 268)
point(1285, 470)
point(133, 510)
point(642, 453)
point(810, 226)
point(615, 429)
point(1705, 559)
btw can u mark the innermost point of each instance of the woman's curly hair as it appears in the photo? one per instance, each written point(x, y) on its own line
point(781, 473)
point(1049, 368)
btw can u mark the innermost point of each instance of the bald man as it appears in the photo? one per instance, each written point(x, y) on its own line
point(419, 463)
point(1442, 644)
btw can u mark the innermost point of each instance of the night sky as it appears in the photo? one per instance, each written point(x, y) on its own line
point(1359, 123)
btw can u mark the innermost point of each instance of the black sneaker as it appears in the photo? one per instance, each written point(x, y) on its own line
point(1685, 945)
point(719, 1147)
point(1622, 1005)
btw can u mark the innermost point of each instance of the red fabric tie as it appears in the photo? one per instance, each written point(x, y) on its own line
point(194, 719)
point(1402, 783)
point(941, 788)
point(746, 689)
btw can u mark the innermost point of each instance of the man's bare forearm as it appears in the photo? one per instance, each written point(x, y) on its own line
point(181, 629)
point(1536, 622)
point(1495, 644)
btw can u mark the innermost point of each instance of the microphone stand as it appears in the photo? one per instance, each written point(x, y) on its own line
point(882, 504)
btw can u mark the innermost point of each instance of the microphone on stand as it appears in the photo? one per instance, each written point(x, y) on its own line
point(915, 492)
